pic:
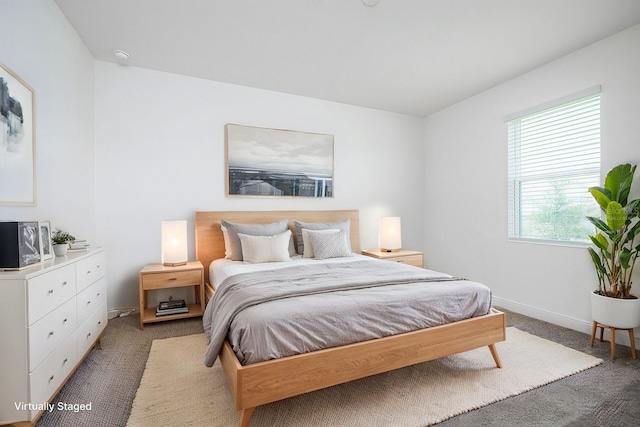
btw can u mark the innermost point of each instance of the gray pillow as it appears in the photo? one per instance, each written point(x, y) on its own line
point(340, 225)
point(252, 230)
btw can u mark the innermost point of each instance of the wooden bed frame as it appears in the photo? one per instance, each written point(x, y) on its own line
point(273, 380)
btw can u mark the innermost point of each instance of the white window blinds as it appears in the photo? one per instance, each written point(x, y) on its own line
point(554, 157)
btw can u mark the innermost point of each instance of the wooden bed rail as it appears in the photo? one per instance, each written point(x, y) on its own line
point(273, 380)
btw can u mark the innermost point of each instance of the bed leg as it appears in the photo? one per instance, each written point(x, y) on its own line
point(245, 417)
point(494, 353)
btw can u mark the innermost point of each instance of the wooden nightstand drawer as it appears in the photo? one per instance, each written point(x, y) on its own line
point(409, 259)
point(404, 256)
point(171, 279)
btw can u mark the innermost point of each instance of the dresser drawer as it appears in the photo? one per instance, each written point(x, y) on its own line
point(90, 269)
point(171, 279)
point(89, 300)
point(46, 379)
point(51, 331)
point(49, 290)
point(90, 330)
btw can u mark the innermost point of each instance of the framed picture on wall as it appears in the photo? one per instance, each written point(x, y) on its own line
point(46, 245)
point(276, 162)
point(17, 140)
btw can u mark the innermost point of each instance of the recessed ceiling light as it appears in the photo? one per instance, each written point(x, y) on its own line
point(370, 3)
point(121, 54)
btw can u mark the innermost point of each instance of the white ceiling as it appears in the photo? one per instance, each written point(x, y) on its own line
point(408, 56)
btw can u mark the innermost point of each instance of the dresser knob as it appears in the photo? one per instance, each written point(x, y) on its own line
point(88, 302)
point(89, 334)
point(88, 271)
point(64, 283)
point(50, 333)
point(100, 322)
point(64, 321)
point(51, 378)
point(50, 291)
point(65, 361)
point(173, 278)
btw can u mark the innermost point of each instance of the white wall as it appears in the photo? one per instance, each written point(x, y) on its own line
point(466, 181)
point(40, 46)
point(160, 155)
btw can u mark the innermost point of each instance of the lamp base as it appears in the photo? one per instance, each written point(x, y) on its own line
point(174, 264)
point(389, 250)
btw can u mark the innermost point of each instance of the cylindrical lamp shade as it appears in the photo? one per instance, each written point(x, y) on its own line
point(390, 237)
point(174, 243)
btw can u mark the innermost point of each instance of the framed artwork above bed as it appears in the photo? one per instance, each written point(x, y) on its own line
point(277, 162)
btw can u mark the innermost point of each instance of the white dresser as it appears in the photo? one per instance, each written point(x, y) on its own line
point(52, 314)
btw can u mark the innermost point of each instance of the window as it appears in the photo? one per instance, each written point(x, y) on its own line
point(554, 157)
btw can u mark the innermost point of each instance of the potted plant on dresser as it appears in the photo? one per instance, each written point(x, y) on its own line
point(614, 254)
point(60, 240)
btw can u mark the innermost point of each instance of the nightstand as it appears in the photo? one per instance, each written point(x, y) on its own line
point(158, 276)
point(404, 256)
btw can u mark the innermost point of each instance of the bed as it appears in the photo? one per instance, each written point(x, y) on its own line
point(267, 381)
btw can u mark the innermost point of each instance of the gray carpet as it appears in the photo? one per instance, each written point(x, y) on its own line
point(607, 395)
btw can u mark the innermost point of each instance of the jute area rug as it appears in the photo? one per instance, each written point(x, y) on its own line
point(177, 389)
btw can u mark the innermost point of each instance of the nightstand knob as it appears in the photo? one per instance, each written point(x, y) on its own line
point(50, 291)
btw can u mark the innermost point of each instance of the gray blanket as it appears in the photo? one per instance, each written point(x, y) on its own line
point(275, 291)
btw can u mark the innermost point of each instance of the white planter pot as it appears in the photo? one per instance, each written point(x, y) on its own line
point(60, 250)
point(615, 312)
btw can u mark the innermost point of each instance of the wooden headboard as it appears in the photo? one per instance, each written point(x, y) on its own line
point(210, 243)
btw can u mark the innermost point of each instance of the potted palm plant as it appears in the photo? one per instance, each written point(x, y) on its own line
point(60, 240)
point(615, 250)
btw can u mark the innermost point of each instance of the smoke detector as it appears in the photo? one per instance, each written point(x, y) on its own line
point(121, 55)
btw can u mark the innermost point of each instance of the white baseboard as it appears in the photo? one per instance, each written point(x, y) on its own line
point(622, 337)
point(120, 312)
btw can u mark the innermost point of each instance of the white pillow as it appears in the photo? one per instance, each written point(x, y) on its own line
point(251, 229)
point(299, 226)
point(308, 248)
point(257, 249)
point(330, 245)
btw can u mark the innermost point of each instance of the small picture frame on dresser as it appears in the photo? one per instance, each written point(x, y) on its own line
point(46, 245)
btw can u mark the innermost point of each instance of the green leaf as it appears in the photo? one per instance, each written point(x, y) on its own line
point(601, 225)
point(631, 209)
point(633, 232)
point(618, 182)
point(602, 196)
point(597, 262)
point(615, 215)
point(603, 242)
point(625, 256)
